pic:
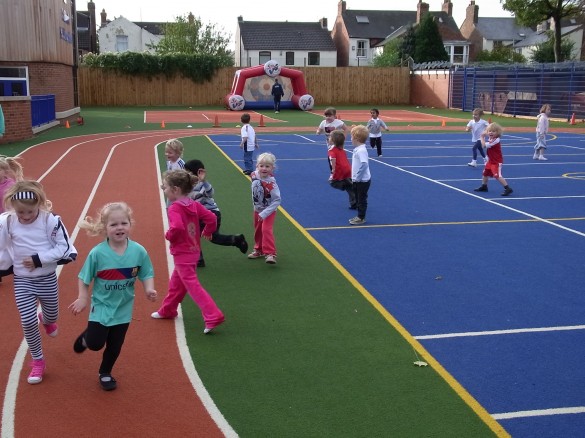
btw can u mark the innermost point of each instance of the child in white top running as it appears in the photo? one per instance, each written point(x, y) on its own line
point(477, 126)
point(375, 126)
point(541, 132)
point(39, 242)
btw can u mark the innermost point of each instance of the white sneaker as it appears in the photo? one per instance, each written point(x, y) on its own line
point(271, 259)
point(156, 315)
point(541, 158)
point(535, 157)
point(473, 163)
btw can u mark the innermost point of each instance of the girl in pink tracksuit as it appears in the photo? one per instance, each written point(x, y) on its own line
point(185, 245)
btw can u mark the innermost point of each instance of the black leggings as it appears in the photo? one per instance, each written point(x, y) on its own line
point(98, 335)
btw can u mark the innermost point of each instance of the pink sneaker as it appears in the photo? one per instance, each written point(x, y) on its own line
point(36, 374)
point(52, 329)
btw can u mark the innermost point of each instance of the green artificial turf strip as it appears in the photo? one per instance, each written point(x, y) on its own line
point(302, 352)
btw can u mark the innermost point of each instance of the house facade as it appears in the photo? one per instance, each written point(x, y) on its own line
point(360, 35)
point(290, 44)
point(491, 32)
point(123, 35)
point(571, 29)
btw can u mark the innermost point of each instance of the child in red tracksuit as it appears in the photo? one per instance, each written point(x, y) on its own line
point(184, 234)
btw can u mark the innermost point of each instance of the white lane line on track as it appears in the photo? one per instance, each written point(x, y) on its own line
point(9, 404)
point(184, 352)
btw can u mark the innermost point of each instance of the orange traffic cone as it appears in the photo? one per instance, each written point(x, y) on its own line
point(162, 125)
point(573, 119)
point(67, 124)
point(443, 124)
point(216, 122)
point(261, 124)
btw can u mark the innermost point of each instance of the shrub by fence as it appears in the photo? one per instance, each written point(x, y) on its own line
point(328, 85)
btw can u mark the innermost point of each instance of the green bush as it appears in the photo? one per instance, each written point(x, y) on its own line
point(198, 67)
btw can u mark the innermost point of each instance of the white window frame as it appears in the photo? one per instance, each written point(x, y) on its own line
point(362, 48)
point(121, 43)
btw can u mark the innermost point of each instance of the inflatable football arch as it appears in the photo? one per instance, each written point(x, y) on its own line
point(252, 88)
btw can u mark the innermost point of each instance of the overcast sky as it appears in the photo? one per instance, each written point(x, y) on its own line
point(224, 13)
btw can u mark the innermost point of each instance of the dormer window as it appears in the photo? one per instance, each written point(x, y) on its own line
point(362, 19)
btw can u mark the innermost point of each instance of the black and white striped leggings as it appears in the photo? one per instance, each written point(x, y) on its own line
point(28, 291)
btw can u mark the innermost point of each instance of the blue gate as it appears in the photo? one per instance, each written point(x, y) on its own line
point(520, 89)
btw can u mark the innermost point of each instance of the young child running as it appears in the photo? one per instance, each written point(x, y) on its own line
point(542, 123)
point(248, 143)
point(39, 242)
point(375, 126)
point(113, 266)
point(360, 173)
point(184, 235)
point(477, 126)
point(266, 199)
point(174, 154)
point(330, 124)
point(340, 168)
point(10, 172)
point(203, 193)
point(493, 167)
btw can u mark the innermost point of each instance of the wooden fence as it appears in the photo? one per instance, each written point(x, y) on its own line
point(328, 85)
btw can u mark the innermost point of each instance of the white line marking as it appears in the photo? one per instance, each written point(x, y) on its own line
point(501, 332)
point(186, 357)
point(306, 138)
point(539, 413)
point(507, 207)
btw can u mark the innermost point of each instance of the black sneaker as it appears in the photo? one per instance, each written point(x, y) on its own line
point(79, 344)
point(507, 191)
point(107, 382)
point(482, 188)
point(246, 172)
point(201, 263)
point(240, 242)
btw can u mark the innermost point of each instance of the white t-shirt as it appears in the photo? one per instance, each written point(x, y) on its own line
point(477, 128)
point(249, 135)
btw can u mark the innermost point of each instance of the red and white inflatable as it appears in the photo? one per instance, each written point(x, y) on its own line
point(252, 88)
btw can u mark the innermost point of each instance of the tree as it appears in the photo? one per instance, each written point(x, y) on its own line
point(390, 57)
point(407, 44)
point(429, 44)
point(545, 52)
point(532, 12)
point(189, 35)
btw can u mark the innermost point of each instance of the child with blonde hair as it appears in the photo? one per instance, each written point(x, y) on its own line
point(493, 167)
point(266, 199)
point(542, 123)
point(10, 172)
point(184, 235)
point(113, 266)
point(174, 154)
point(360, 173)
point(37, 241)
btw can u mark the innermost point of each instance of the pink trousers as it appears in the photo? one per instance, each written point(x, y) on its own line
point(264, 234)
point(184, 280)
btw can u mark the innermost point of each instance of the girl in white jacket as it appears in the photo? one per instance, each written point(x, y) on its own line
point(36, 241)
point(541, 132)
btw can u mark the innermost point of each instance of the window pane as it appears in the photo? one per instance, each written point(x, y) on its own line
point(121, 43)
point(265, 56)
point(290, 58)
point(362, 49)
point(314, 58)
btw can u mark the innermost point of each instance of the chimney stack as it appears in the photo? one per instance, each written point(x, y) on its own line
point(341, 7)
point(323, 22)
point(472, 12)
point(448, 7)
point(104, 18)
point(421, 10)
